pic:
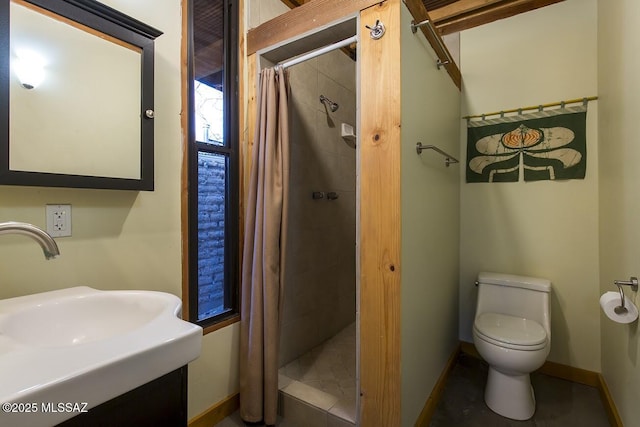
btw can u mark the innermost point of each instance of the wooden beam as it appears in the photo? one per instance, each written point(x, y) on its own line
point(380, 231)
point(293, 3)
point(290, 3)
point(246, 122)
point(461, 7)
point(184, 171)
point(247, 135)
point(349, 51)
point(482, 16)
point(307, 17)
point(419, 13)
point(464, 14)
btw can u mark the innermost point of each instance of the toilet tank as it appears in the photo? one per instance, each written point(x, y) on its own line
point(518, 296)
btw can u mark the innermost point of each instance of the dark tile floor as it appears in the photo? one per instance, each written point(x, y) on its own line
point(559, 403)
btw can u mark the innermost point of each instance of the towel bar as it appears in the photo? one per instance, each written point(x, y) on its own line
point(448, 158)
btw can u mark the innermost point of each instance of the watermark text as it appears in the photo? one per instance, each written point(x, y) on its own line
point(45, 407)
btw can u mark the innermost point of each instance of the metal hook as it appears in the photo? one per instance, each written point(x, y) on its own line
point(377, 31)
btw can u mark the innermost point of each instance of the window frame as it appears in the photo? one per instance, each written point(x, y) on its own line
point(230, 149)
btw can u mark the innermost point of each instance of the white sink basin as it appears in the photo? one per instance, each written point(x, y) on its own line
point(82, 345)
point(83, 319)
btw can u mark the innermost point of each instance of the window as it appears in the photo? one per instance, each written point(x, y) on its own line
point(213, 161)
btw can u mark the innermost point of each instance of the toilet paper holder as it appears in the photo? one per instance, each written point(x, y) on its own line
point(633, 282)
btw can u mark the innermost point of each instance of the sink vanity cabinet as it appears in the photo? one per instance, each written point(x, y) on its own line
point(159, 403)
point(68, 347)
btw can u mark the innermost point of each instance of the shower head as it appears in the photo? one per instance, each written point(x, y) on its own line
point(333, 106)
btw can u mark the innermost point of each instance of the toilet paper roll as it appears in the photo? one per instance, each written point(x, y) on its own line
point(610, 300)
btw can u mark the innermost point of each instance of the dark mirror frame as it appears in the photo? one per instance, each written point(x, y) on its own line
point(113, 23)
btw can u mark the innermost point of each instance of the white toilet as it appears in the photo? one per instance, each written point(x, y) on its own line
point(511, 331)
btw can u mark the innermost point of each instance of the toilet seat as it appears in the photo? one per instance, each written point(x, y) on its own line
point(510, 332)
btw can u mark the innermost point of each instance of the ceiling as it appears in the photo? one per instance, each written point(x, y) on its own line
point(436, 4)
point(449, 16)
point(452, 16)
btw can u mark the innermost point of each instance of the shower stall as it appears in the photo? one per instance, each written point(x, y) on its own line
point(318, 333)
point(385, 252)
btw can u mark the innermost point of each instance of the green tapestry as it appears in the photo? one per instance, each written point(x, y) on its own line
point(546, 145)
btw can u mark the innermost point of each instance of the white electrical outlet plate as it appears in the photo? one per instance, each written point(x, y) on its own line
point(58, 220)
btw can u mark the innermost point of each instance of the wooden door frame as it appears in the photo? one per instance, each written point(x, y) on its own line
point(379, 184)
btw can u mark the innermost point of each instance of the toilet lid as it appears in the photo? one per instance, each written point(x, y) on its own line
point(510, 329)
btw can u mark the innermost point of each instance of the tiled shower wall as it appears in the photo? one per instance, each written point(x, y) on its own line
point(320, 281)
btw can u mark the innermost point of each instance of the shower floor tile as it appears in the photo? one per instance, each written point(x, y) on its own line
point(325, 377)
point(330, 367)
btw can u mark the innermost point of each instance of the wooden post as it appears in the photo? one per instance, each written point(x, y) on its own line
point(380, 230)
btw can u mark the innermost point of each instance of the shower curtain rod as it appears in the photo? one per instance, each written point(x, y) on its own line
point(318, 52)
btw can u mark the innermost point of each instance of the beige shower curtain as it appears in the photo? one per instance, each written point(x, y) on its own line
point(264, 248)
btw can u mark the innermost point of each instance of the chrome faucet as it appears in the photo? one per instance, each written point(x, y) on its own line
point(49, 246)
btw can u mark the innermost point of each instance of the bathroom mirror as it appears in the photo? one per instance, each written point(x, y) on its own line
point(76, 96)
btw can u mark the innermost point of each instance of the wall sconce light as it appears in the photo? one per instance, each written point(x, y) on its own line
point(29, 67)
